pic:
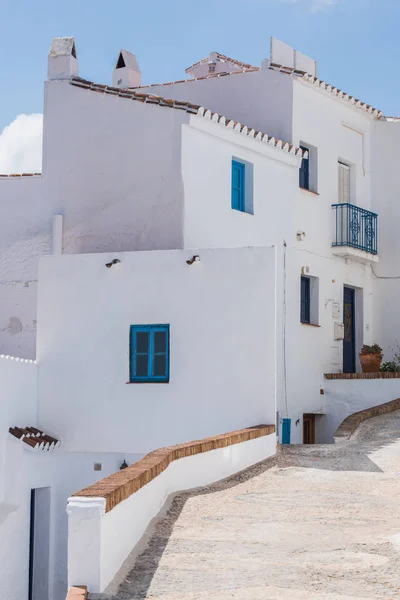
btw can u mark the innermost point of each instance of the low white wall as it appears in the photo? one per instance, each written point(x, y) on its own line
point(345, 397)
point(99, 542)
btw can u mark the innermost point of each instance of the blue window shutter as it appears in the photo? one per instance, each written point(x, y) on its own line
point(238, 186)
point(305, 301)
point(304, 173)
point(149, 353)
point(286, 425)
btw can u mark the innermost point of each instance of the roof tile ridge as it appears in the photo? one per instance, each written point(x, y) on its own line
point(323, 85)
point(251, 132)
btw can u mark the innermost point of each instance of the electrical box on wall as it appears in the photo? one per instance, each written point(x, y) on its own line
point(339, 331)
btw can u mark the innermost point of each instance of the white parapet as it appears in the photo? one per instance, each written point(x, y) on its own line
point(99, 542)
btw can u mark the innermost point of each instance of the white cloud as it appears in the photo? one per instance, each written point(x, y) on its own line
point(21, 145)
point(318, 5)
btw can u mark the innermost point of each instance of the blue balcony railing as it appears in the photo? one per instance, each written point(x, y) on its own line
point(355, 227)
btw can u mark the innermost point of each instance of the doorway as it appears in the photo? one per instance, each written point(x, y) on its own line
point(349, 341)
point(308, 429)
point(39, 544)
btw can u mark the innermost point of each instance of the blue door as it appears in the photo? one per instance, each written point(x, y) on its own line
point(286, 423)
point(349, 342)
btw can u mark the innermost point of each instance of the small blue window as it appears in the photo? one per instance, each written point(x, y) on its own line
point(305, 312)
point(304, 174)
point(238, 185)
point(149, 354)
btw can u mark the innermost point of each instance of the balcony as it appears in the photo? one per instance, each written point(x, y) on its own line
point(355, 233)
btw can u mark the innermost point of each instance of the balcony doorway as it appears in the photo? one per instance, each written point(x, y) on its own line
point(349, 341)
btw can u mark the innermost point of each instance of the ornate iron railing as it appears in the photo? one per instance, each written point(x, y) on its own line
point(355, 227)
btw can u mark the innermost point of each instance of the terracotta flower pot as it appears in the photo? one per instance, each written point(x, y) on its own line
point(371, 363)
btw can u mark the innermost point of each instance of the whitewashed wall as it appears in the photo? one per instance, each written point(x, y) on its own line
point(207, 152)
point(64, 473)
point(18, 402)
point(386, 184)
point(111, 167)
point(260, 99)
point(99, 542)
point(347, 396)
point(222, 367)
point(281, 210)
point(25, 235)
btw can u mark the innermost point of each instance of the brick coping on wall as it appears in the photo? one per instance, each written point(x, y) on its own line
point(77, 592)
point(350, 424)
point(121, 485)
point(362, 375)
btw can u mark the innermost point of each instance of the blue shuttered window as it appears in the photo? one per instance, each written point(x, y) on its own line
point(149, 353)
point(238, 186)
point(305, 300)
point(304, 173)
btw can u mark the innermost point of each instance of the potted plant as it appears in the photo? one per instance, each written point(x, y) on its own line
point(371, 358)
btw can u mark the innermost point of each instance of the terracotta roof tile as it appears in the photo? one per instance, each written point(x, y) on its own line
point(35, 438)
point(132, 94)
point(209, 76)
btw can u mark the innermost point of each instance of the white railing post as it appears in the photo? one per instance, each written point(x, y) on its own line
point(84, 541)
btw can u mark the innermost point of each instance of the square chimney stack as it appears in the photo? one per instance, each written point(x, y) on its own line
point(62, 60)
point(127, 72)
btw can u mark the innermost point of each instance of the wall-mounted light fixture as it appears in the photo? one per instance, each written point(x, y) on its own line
point(300, 235)
point(115, 261)
point(193, 260)
point(305, 270)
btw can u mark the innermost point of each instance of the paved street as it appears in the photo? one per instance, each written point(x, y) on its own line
point(315, 523)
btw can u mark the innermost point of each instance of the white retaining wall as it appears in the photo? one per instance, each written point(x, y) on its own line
point(345, 397)
point(99, 542)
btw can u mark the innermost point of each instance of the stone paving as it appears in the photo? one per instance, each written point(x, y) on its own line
point(314, 523)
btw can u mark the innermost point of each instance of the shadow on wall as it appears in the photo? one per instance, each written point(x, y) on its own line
point(348, 456)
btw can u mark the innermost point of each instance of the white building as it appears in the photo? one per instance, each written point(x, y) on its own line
point(178, 250)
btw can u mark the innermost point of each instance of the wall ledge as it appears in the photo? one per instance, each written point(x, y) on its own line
point(123, 484)
point(352, 422)
point(362, 375)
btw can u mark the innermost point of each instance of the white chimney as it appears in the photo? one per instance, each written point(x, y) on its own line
point(127, 72)
point(62, 61)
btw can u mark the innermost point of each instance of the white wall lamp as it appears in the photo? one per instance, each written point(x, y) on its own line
point(305, 270)
point(115, 261)
point(300, 235)
point(195, 259)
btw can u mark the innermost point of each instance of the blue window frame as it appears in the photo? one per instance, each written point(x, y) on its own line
point(149, 354)
point(304, 173)
point(238, 186)
point(305, 300)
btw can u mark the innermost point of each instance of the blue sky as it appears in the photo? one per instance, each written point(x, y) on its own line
point(355, 42)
